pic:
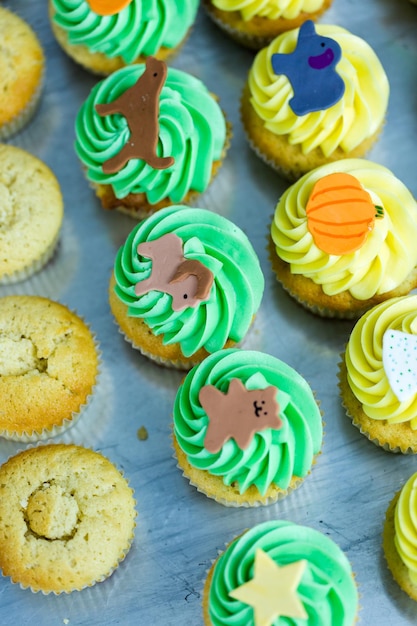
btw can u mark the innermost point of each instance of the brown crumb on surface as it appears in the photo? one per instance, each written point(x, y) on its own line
point(142, 433)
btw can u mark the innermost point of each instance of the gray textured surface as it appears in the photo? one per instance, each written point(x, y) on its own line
point(179, 531)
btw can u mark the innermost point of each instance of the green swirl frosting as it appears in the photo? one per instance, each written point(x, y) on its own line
point(273, 456)
point(189, 119)
point(218, 244)
point(406, 526)
point(327, 588)
point(140, 29)
point(365, 368)
point(354, 118)
point(386, 258)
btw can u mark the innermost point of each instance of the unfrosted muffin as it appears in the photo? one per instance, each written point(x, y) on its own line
point(49, 364)
point(312, 97)
point(153, 157)
point(400, 537)
point(255, 23)
point(105, 35)
point(22, 64)
point(67, 518)
point(187, 282)
point(378, 377)
point(344, 238)
point(31, 213)
point(290, 574)
point(247, 428)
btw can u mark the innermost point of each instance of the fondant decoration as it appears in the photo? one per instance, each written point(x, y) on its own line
point(399, 358)
point(188, 281)
point(311, 71)
point(340, 214)
point(108, 7)
point(140, 105)
point(272, 592)
point(239, 413)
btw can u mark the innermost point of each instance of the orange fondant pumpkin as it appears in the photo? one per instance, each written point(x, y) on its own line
point(340, 214)
point(108, 7)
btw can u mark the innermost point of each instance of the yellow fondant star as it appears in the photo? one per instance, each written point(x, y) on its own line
point(272, 592)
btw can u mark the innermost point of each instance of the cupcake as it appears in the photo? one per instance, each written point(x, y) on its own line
point(58, 527)
point(378, 375)
point(400, 537)
point(187, 282)
point(313, 97)
point(281, 573)
point(343, 238)
point(22, 68)
point(105, 35)
point(31, 213)
point(247, 428)
point(142, 161)
point(254, 24)
point(49, 365)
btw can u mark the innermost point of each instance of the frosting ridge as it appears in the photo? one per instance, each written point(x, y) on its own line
point(381, 264)
point(273, 455)
point(405, 521)
point(224, 249)
point(271, 9)
point(188, 117)
point(355, 117)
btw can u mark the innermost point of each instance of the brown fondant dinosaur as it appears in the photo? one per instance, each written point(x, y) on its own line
point(140, 106)
point(188, 281)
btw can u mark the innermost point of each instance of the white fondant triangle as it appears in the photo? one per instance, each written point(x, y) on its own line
point(399, 358)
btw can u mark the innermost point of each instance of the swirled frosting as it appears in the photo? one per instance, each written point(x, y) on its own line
point(273, 456)
point(326, 589)
point(364, 360)
point(189, 118)
point(355, 117)
point(140, 29)
point(386, 258)
point(271, 9)
point(405, 521)
point(218, 244)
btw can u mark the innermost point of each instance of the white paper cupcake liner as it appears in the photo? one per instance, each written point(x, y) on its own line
point(25, 115)
point(122, 556)
point(34, 267)
point(59, 429)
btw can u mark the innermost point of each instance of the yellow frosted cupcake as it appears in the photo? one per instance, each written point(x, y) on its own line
point(31, 213)
point(49, 364)
point(141, 159)
point(314, 95)
point(400, 537)
point(67, 518)
point(343, 238)
point(256, 22)
point(378, 375)
point(288, 573)
point(21, 77)
point(105, 35)
point(247, 428)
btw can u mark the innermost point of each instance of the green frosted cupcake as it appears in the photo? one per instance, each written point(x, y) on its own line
point(186, 283)
point(284, 572)
point(247, 428)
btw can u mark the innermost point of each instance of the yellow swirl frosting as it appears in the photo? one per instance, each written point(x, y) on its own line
point(388, 254)
point(356, 117)
point(366, 373)
point(405, 521)
point(271, 9)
